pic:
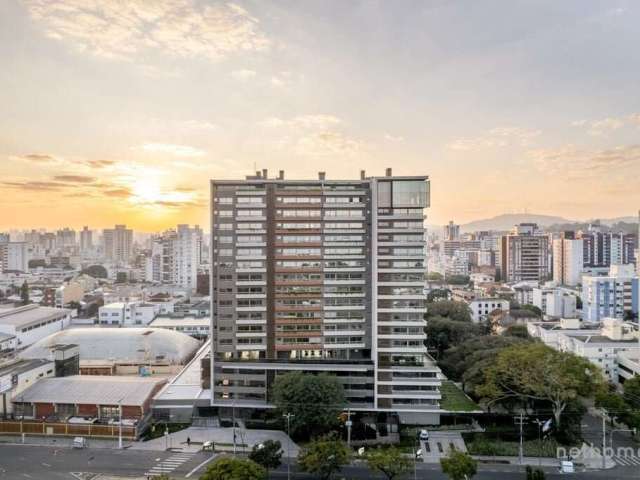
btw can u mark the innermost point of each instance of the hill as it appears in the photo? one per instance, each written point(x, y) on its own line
point(508, 220)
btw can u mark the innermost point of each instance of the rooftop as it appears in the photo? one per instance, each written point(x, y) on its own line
point(603, 339)
point(91, 389)
point(31, 314)
point(21, 366)
point(135, 345)
point(172, 321)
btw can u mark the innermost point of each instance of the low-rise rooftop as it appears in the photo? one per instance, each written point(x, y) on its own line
point(30, 315)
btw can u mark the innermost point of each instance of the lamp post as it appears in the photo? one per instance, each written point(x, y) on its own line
point(120, 424)
point(288, 416)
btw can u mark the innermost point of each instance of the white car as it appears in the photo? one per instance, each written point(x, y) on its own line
point(424, 435)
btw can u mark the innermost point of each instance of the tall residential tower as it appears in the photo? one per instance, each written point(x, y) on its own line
point(322, 276)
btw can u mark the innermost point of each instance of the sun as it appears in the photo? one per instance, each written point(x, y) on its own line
point(146, 190)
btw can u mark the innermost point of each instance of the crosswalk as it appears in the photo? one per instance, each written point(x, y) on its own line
point(168, 465)
point(626, 461)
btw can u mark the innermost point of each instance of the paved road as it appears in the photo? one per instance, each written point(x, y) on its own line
point(19, 462)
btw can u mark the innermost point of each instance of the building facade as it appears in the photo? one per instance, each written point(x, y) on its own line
point(118, 244)
point(525, 254)
point(568, 259)
point(176, 257)
point(322, 276)
point(616, 295)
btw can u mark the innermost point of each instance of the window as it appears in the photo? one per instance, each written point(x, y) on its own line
point(410, 193)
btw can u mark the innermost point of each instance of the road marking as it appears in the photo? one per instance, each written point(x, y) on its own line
point(199, 466)
point(45, 464)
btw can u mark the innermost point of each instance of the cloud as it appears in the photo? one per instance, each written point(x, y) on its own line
point(99, 163)
point(74, 179)
point(598, 128)
point(328, 143)
point(393, 138)
point(496, 138)
point(35, 185)
point(197, 126)
point(572, 162)
point(303, 121)
point(118, 192)
point(37, 158)
point(172, 149)
point(243, 75)
point(133, 29)
point(281, 79)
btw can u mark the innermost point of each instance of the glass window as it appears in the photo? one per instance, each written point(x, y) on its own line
point(409, 193)
point(384, 194)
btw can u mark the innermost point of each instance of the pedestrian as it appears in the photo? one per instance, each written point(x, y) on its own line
point(188, 441)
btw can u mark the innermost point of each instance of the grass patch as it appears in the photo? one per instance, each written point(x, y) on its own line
point(480, 445)
point(455, 400)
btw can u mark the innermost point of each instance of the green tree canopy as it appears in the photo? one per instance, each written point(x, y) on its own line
point(535, 372)
point(435, 277)
point(229, 468)
point(473, 355)
point(324, 457)
point(519, 331)
point(457, 279)
point(532, 309)
point(314, 400)
point(388, 461)
point(268, 454)
point(443, 332)
point(459, 465)
point(24, 293)
point(632, 392)
point(96, 271)
point(451, 309)
point(436, 294)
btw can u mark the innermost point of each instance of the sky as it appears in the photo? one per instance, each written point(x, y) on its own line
point(121, 111)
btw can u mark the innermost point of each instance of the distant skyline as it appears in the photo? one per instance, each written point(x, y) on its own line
point(120, 112)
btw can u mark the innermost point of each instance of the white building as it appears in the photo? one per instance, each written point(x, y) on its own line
point(86, 240)
point(554, 302)
point(175, 257)
point(568, 261)
point(197, 327)
point(478, 277)
point(603, 349)
point(118, 244)
point(33, 322)
point(482, 307)
point(14, 256)
point(17, 376)
point(611, 296)
point(128, 314)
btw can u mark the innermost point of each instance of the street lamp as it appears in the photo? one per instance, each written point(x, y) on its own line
point(288, 416)
point(120, 424)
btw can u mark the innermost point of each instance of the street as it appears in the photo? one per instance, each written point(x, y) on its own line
point(36, 462)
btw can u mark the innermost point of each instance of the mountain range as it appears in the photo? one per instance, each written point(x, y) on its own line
point(508, 220)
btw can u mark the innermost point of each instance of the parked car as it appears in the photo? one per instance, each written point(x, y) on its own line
point(79, 442)
point(424, 435)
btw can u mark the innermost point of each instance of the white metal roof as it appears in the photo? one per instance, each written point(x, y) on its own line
point(91, 390)
point(122, 345)
point(31, 314)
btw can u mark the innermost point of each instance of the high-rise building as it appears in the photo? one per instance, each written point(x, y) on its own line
point(603, 249)
point(175, 257)
point(525, 254)
point(65, 238)
point(86, 239)
point(14, 256)
point(118, 244)
point(322, 276)
point(616, 295)
point(568, 259)
point(452, 231)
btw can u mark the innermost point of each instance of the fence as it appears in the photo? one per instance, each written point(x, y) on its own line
point(28, 427)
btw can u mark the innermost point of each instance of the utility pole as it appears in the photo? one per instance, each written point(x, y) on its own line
point(520, 422)
point(233, 419)
point(120, 425)
point(604, 438)
point(348, 423)
point(288, 416)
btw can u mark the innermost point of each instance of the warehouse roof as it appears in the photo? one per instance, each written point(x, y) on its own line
point(123, 345)
point(30, 315)
point(91, 390)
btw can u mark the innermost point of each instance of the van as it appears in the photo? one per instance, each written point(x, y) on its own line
point(566, 467)
point(79, 442)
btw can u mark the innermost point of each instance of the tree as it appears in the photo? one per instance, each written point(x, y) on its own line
point(267, 454)
point(533, 309)
point(435, 277)
point(388, 461)
point(457, 279)
point(459, 465)
point(535, 474)
point(443, 333)
point(314, 400)
point(96, 271)
point(519, 331)
point(535, 372)
point(438, 293)
point(458, 311)
point(24, 293)
point(466, 362)
point(324, 457)
point(228, 468)
point(632, 392)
